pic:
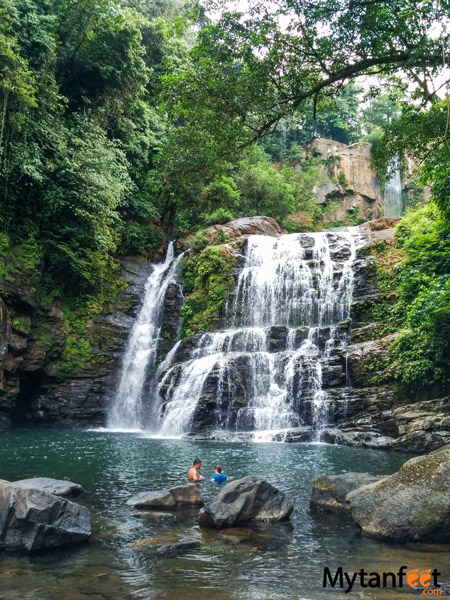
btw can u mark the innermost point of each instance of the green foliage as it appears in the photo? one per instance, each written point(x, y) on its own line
point(137, 238)
point(255, 186)
point(335, 117)
point(218, 216)
point(77, 352)
point(208, 281)
point(220, 193)
point(79, 127)
point(80, 206)
point(425, 238)
point(414, 275)
point(21, 324)
point(220, 237)
point(248, 72)
point(197, 241)
point(422, 350)
point(264, 190)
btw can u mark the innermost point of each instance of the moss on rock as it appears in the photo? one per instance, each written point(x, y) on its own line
point(208, 281)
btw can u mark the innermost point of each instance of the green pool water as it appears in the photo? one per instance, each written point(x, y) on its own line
point(283, 561)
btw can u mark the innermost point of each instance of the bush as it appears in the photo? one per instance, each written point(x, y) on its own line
point(218, 217)
point(422, 351)
point(136, 238)
point(197, 241)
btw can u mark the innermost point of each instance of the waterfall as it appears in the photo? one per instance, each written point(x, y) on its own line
point(128, 406)
point(265, 372)
point(393, 201)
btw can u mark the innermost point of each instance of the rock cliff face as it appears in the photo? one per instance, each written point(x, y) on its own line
point(32, 389)
point(353, 193)
point(369, 413)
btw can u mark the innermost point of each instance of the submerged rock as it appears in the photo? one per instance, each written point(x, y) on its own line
point(248, 499)
point(411, 505)
point(187, 495)
point(58, 487)
point(329, 491)
point(164, 544)
point(156, 516)
point(235, 536)
point(174, 498)
point(32, 519)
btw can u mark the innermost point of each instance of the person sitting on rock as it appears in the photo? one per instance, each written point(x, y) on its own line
point(194, 474)
point(218, 476)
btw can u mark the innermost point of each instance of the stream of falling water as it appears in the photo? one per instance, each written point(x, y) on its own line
point(393, 201)
point(299, 286)
point(127, 409)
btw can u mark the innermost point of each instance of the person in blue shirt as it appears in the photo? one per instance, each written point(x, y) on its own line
point(218, 476)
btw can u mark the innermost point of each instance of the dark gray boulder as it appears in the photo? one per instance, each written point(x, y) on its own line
point(248, 499)
point(58, 487)
point(32, 520)
point(329, 491)
point(411, 505)
point(174, 498)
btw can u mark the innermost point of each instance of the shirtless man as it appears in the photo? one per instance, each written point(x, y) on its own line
point(194, 474)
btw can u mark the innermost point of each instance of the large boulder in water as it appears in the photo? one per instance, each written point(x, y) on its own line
point(248, 499)
point(411, 505)
point(58, 487)
point(32, 519)
point(174, 498)
point(329, 492)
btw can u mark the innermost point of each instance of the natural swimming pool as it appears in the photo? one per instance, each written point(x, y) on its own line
point(276, 562)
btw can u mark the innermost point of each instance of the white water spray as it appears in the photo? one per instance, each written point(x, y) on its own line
point(300, 284)
point(126, 413)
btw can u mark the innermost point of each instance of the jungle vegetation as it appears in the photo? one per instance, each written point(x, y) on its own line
point(122, 121)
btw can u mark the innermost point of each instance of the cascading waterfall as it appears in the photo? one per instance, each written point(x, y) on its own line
point(393, 201)
point(264, 372)
point(127, 409)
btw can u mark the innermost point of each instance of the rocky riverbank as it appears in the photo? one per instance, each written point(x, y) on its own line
point(49, 378)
